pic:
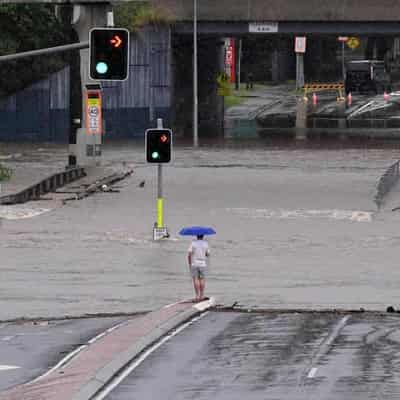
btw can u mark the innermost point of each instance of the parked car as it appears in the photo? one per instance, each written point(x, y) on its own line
point(367, 76)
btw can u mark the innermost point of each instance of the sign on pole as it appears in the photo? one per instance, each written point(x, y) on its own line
point(343, 38)
point(353, 42)
point(94, 124)
point(300, 44)
point(263, 27)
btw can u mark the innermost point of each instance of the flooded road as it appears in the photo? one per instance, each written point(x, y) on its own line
point(296, 228)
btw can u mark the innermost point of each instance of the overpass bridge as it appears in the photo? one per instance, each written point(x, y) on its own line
point(286, 16)
point(276, 21)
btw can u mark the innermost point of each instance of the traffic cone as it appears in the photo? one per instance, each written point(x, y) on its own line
point(385, 96)
point(349, 99)
point(314, 99)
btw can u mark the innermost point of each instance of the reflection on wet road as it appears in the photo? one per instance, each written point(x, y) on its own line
point(297, 356)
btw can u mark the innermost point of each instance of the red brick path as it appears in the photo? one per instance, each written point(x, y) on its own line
point(64, 383)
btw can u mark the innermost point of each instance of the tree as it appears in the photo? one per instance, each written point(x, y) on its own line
point(25, 27)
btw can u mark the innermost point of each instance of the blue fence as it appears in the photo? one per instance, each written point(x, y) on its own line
point(41, 111)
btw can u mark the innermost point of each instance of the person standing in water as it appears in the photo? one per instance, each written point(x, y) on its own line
point(198, 260)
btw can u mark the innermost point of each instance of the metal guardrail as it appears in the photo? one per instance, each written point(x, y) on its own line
point(46, 185)
point(360, 123)
point(309, 87)
point(386, 182)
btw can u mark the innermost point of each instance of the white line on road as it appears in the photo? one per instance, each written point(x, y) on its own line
point(324, 348)
point(8, 367)
point(71, 355)
point(7, 338)
point(312, 372)
point(136, 362)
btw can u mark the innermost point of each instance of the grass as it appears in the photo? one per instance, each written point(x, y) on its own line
point(238, 97)
point(134, 16)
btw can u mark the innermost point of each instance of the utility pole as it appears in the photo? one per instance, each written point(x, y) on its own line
point(85, 17)
point(195, 79)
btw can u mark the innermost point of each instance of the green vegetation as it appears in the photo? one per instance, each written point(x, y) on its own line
point(231, 101)
point(135, 16)
point(5, 173)
point(238, 97)
point(25, 27)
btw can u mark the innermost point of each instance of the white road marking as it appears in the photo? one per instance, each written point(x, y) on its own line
point(312, 372)
point(136, 362)
point(336, 331)
point(343, 215)
point(8, 367)
point(71, 355)
point(324, 348)
point(7, 338)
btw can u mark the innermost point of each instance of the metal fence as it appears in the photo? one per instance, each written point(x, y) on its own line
point(386, 183)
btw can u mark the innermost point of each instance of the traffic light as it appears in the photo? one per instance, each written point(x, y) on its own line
point(109, 54)
point(158, 145)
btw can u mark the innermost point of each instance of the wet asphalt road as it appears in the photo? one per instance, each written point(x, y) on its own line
point(296, 228)
point(36, 347)
point(227, 355)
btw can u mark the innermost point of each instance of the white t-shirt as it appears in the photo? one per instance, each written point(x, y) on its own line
point(200, 251)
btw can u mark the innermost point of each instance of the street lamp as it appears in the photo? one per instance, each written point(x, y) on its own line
point(195, 83)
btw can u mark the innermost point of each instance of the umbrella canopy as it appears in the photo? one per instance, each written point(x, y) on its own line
point(196, 231)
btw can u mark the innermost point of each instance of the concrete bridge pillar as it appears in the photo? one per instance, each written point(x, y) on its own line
point(85, 17)
point(301, 118)
point(211, 106)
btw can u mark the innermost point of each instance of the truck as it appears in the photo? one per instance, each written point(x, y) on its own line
point(365, 76)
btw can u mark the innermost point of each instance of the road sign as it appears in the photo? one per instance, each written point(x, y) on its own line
point(94, 123)
point(229, 56)
point(353, 42)
point(343, 38)
point(263, 27)
point(300, 44)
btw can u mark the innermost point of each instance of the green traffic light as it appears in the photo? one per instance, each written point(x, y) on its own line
point(101, 67)
point(155, 155)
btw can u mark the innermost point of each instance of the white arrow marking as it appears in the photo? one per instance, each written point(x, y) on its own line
point(8, 367)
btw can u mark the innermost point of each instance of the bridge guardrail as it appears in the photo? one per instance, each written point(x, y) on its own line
point(46, 185)
point(386, 182)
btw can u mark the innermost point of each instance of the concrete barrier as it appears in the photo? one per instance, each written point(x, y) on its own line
point(46, 185)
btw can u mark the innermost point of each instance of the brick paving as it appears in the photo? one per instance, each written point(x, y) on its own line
point(66, 382)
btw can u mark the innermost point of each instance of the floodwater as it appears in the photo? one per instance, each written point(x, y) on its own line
point(296, 228)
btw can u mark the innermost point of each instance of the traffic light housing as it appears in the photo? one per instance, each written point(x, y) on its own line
point(109, 54)
point(158, 145)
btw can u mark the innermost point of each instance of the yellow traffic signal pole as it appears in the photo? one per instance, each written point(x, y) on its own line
point(159, 198)
point(159, 184)
point(160, 231)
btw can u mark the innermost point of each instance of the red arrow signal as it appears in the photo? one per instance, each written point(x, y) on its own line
point(116, 41)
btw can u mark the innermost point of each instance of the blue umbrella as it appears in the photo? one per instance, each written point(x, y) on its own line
point(196, 231)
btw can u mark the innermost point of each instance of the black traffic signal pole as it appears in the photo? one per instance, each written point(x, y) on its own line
point(51, 50)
